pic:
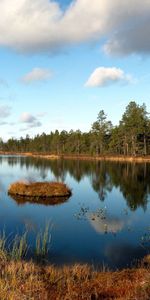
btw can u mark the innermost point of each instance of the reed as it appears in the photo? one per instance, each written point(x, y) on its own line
point(16, 248)
point(43, 242)
point(19, 247)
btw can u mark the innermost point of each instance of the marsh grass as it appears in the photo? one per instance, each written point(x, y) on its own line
point(43, 242)
point(39, 189)
point(19, 247)
point(29, 279)
point(16, 247)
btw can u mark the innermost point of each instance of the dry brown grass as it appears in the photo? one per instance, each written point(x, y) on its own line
point(26, 280)
point(106, 157)
point(115, 158)
point(39, 189)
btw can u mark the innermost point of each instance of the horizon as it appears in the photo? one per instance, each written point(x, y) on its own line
point(57, 73)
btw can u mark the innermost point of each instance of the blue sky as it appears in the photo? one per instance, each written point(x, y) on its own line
point(61, 64)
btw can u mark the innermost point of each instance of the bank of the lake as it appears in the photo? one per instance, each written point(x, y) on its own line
point(28, 280)
point(117, 158)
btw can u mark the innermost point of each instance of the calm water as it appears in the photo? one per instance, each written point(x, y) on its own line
point(105, 221)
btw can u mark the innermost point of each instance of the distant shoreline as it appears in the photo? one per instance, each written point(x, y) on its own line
point(120, 158)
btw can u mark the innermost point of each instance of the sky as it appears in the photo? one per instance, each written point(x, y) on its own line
point(61, 62)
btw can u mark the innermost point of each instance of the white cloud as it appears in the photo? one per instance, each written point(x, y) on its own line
point(30, 120)
point(37, 74)
point(112, 225)
point(35, 124)
point(27, 118)
point(103, 76)
point(5, 111)
point(131, 39)
point(3, 123)
point(41, 25)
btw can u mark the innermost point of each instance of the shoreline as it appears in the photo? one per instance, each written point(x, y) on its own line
point(26, 279)
point(121, 158)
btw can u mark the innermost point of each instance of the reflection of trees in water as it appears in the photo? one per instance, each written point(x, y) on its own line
point(134, 183)
point(101, 181)
point(76, 169)
point(132, 179)
point(11, 160)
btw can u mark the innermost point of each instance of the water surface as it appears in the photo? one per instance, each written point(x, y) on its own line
point(106, 221)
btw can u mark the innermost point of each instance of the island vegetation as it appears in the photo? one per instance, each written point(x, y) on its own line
point(38, 190)
point(130, 138)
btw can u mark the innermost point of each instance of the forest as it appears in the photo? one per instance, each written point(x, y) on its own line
point(130, 138)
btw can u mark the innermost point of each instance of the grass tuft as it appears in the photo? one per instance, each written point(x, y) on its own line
point(19, 247)
point(39, 189)
point(43, 242)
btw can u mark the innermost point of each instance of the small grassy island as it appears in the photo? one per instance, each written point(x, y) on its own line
point(39, 190)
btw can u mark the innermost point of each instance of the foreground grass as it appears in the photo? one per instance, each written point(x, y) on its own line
point(27, 280)
point(36, 280)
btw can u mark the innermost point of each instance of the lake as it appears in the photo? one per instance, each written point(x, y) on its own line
point(106, 221)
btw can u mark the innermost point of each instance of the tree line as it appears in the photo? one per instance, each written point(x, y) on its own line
point(130, 137)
